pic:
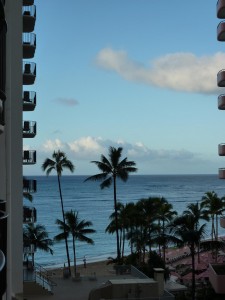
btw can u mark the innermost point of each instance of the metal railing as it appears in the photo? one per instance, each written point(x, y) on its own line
point(41, 276)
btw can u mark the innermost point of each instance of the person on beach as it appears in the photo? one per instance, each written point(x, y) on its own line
point(84, 260)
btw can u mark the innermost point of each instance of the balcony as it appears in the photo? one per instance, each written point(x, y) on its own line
point(29, 73)
point(221, 149)
point(3, 231)
point(29, 185)
point(221, 173)
point(28, 2)
point(220, 9)
point(2, 111)
point(221, 32)
point(29, 157)
point(29, 100)
point(29, 215)
point(28, 248)
point(2, 205)
point(29, 18)
point(217, 277)
point(221, 78)
point(2, 260)
point(3, 24)
point(3, 248)
point(29, 45)
point(29, 129)
point(221, 102)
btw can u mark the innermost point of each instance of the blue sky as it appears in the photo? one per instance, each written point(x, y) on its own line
point(139, 74)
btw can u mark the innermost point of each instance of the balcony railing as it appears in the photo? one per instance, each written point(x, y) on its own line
point(221, 173)
point(221, 78)
point(221, 31)
point(29, 185)
point(221, 149)
point(29, 129)
point(29, 45)
point(29, 215)
point(29, 100)
point(221, 102)
point(29, 157)
point(28, 248)
point(220, 9)
point(29, 73)
point(29, 18)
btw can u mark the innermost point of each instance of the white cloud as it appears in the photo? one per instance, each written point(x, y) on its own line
point(86, 146)
point(179, 71)
point(52, 145)
point(148, 160)
point(91, 148)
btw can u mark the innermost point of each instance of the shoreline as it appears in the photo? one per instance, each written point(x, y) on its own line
point(99, 268)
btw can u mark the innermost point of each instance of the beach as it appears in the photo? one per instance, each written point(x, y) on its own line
point(92, 276)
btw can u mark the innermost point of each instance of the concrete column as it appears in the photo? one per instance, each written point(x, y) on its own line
point(13, 147)
point(159, 277)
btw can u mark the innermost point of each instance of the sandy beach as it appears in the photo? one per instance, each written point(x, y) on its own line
point(91, 277)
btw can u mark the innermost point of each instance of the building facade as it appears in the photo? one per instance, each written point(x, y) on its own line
point(16, 44)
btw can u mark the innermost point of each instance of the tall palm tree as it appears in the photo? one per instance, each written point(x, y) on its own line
point(199, 213)
point(164, 215)
point(214, 207)
point(111, 169)
point(58, 163)
point(37, 236)
point(185, 232)
point(77, 228)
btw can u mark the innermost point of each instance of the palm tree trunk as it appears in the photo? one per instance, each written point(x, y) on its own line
point(116, 218)
point(74, 257)
point(192, 248)
point(63, 214)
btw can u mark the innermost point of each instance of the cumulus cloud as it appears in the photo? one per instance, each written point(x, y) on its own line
point(91, 148)
point(52, 145)
point(66, 101)
point(178, 71)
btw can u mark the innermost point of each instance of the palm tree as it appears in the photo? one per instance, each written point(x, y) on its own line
point(214, 207)
point(78, 229)
point(111, 169)
point(37, 236)
point(164, 214)
point(185, 232)
point(199, 213)
point(58, 163)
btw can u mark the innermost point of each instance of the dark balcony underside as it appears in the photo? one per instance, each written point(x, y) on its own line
point(221, 78)
point(28, 23)
point(28, 50)
point(221, 9)
point(221, 32)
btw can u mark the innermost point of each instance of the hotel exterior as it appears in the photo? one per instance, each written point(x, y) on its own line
point(17, 74)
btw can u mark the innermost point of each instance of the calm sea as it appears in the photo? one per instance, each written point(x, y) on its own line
point(95, 205)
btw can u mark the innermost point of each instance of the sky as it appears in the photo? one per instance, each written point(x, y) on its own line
point(136, 74)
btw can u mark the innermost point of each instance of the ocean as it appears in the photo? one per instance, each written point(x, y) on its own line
point(96, 205)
